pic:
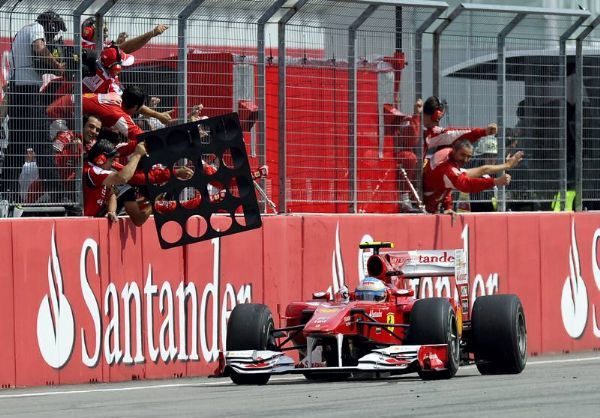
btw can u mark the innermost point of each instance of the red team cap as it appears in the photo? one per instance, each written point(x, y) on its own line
point(112, 55)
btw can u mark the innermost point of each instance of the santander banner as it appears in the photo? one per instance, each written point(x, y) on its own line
point(85, 301)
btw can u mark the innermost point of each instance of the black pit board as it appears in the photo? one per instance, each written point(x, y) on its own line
point(208, 139)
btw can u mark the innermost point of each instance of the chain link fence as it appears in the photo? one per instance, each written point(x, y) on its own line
point(325, 91)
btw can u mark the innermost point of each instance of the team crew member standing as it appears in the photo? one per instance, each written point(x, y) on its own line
point(436, 137)
point(27, 124)
point(98, 178)
point(444, 174)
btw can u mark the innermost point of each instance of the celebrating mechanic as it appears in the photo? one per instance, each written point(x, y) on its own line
point(435, 137)
point(444, 173)
point(89, 33)
point(106, 79)
point(98, 178)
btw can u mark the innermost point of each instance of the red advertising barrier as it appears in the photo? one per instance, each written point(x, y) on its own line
point(7, 324)
point(85, 301)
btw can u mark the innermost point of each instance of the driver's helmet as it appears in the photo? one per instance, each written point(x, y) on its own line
point(371, 289)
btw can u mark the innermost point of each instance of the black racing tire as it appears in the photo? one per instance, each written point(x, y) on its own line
point(249, 328)
point(499, 334)
point(433, 321)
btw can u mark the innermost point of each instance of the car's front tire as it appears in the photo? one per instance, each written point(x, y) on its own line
point(249, 328)
point(433, 321)
point(499, 334)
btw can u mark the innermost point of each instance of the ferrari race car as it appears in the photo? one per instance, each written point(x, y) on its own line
point(382, 330)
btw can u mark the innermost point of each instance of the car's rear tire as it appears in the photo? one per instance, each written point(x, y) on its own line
point(433, 321)
point(249, 328)
point(499, 334)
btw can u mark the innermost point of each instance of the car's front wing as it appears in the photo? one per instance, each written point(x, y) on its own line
point(397, 358)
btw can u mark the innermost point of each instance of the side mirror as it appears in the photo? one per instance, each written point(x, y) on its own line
point(404, 292)
point(321, 295)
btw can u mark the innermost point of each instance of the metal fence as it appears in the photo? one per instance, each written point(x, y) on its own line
point(325, 92)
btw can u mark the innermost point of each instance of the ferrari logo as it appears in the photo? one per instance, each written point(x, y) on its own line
point(390, 320)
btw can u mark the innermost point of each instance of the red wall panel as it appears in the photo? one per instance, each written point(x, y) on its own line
point(200, 271)
point(488, 245)
point(288, 259)
point(125, 273)
point(32, 292)
point(282, 262)
point(7, 324)
point(319, 264)
point(70, 238)
point(225, 272)
point(165, 270)
point(554, 269)
point(523, 272)
point(587, 242)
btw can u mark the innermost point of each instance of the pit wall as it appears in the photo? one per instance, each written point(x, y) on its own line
point(85, 301)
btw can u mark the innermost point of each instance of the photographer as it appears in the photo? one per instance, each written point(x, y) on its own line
point(27, 126)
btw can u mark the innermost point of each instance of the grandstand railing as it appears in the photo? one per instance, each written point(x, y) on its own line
point(325, 90)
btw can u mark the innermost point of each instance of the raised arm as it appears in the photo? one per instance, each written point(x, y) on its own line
point(123, 176)
point(131, 45)
point(41, 51)
point(511, 161)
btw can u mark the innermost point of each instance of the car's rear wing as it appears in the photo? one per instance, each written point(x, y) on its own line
point(422, 263)
point(429, 263)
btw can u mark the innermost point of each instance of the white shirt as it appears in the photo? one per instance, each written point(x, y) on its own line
point(22, 53)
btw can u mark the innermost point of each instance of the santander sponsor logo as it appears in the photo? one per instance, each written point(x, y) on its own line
point(207, 311)
point(55, 321)
point(574, 299)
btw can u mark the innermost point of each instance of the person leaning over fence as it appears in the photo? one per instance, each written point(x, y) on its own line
point(99, 178)
point(435, 137)
point(27, 123)
point(114, 111)
point(444, 173)
point(106, 79)
point(90, 31)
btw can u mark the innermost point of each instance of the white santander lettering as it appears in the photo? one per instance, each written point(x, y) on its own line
point(56, 330)
point(167, 353)
point(131, 292)
point(91, 303)
point(442, 287)
point(183, 292)
point(574, 302)
point(111, 300)
point(150, 290)
point(210, 352)
point(228, 301)
point(596, 272)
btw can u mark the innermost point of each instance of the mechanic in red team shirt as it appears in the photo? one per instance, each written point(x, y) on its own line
point(106, 79)
point(114, 111)
point(436, 137)
point(91, 128)
point(89, 33)
point(444, 173)
point(99, 178)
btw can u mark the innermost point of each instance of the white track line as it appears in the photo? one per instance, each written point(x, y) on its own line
point(567, 360)
point(129, 388)
point(227, 382)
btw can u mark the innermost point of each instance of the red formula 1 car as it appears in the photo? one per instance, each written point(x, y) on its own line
point(382, 330)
